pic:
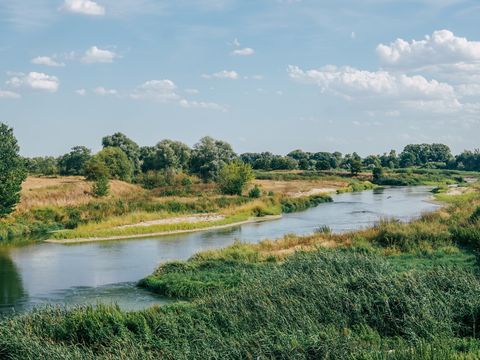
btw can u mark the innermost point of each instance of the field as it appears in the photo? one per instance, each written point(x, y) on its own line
point(395, 291)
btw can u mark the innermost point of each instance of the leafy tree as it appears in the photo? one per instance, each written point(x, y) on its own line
point(95, 169)
point(12, 171)
point(371, 162)
point(74, 162)
point(47, 165)
point(325, 161)
point(234, 177)
point(115, 161)
point(408, 159)
point(209, 156)
point(167, 154)
point(127, 145)
point(101, 187)
point(377, 173)
point(354, 163)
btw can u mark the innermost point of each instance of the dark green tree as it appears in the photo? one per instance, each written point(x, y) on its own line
point(12, 171)
point(127, 145)
point(209, 156)
point(74, 162)
point(114, 161)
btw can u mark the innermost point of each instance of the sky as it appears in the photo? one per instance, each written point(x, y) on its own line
point(264, 75)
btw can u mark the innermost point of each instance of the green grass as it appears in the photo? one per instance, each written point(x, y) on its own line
point(340, 304)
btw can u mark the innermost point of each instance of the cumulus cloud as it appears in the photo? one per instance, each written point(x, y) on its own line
point(97, 55)
point(100, 90)
point(5, 94)
point(35, 81)
point(442, 47)
point(350, 81)
point(85, 7)
point(166, 91)
point(81, 92)
point(47, 61)
point(159, 90)
point(243, 52)
point(224, 74)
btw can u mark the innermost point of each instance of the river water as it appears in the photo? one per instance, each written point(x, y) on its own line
point(91, 273)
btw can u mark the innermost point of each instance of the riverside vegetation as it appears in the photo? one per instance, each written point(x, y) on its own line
point(395, 291)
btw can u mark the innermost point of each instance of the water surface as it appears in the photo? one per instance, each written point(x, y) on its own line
point(107, 271)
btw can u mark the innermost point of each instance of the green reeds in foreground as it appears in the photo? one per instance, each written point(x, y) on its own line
point(341, 304)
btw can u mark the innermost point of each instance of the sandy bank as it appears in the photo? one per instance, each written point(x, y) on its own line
point(162, 233)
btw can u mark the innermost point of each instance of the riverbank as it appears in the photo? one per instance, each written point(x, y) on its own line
point(394, 291)
point(198, 227)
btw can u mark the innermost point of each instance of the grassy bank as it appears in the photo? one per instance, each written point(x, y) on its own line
point(395, 291)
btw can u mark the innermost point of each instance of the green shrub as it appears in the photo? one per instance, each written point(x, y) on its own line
point(255, 192)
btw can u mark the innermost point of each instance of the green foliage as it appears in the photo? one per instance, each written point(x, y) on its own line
point(167, 154)
point(74, 162)
point(209, 156)
point(377, 174)
point(101, 187)
point(290, 205)
point(111, 162)
point(12, 171)
point(47, 166)
point(127, 145)
point(234, 177)
point(255, 192)
point(322, 305)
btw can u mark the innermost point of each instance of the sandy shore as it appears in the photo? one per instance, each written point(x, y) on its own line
point(163, 233)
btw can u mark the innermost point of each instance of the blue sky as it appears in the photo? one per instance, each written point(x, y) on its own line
point(272, 75)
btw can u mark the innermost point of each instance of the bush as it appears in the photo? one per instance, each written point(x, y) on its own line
point(234, 178)
point(255, 192)
point(101, 187)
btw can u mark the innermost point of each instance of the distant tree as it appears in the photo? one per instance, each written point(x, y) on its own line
point(209, 156)
point(408, 159)
point(377, 173)
point(115, 161)
point(355, 164)
point(234, 177)
point(325, 160)
point(95, 169)
point(74, 162)
point(255, 192)
point(389, 160)
point(371, 162)
point(47, 165)
point(129, 147)
point(12, 171)
point(167, 154)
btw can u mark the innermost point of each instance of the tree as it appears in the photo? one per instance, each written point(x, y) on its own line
point(209, 156)
point(127, 145)
point(101, 187)
point(167, 154)
point(12, 171)
point(377, 173)
point(47, 165)
point(371, 162)
point(234, 177)
point(112, 160)
point(354, 163)
point(74, 162)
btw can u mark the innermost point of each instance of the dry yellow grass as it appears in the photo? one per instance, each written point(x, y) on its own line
point(66, 191)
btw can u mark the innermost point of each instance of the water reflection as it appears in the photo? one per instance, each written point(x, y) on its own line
point(11, 286)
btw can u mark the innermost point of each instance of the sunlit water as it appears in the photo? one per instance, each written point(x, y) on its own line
point(107, 271)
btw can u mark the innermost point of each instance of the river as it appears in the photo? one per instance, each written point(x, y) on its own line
point(89, 273)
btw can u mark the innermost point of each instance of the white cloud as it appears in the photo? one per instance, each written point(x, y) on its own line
point(202, 105)
point(35, 81)
point(192, 91)
point(442, 47)
point(224, 74)
point(159, 90)
point(96, 55)
point(351, 82)
point(353, 35)
point(243, 52)
point(47, 61)
point(85, 7)
point(165, 91)
point(100, 90)
point(4, 94)
point(81, 92)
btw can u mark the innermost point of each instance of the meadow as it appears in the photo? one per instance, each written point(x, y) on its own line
point(394, 291)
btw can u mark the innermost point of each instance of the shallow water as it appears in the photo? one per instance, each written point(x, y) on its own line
point(90, 273)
